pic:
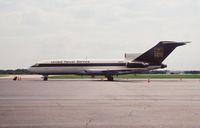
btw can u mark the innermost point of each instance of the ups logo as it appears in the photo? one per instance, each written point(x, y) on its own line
point(158, 53)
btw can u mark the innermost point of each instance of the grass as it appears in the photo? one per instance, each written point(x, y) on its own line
point(161, 76)
point(133, 76)
point(3, 75)
point(73, 77)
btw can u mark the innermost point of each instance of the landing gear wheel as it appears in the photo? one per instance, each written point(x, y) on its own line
point(110, 78)
point(45, 78)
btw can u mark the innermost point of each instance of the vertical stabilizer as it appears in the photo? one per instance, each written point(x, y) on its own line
point(159, 53)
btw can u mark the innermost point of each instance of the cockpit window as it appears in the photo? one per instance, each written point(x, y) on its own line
point(36, 65)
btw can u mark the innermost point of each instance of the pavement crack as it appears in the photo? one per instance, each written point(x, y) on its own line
point(59, 105)
point(130, 113)
point(88, 122)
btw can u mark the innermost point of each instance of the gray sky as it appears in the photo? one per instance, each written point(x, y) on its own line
point(35, 30)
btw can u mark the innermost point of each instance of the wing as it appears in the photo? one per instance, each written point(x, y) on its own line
point(113, 72)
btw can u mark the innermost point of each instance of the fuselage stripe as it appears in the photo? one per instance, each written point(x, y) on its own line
point(77, 65)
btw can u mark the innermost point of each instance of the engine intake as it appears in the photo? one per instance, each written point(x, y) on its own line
point(163, 66)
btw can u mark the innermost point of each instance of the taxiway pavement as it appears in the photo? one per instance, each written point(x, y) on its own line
point(97, 103)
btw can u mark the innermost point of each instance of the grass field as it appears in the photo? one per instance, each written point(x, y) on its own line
point(3, 75)
point(134, 76)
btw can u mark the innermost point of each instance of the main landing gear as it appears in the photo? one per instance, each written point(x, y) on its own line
point(45, 77)
point(110, 78)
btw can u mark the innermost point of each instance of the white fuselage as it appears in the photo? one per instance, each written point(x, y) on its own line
point(81, 67)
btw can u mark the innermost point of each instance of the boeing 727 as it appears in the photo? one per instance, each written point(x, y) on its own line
point(131, 64)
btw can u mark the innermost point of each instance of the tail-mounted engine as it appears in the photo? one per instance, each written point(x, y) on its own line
point(137, 65)
point(163, 66)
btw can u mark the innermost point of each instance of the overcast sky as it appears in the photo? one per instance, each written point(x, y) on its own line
point(35, 30)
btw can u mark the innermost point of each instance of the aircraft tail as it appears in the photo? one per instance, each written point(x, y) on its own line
point(159, 53)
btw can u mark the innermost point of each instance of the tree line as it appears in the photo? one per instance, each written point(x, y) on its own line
point(17, 71)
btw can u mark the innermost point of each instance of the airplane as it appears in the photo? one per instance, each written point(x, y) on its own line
point(131, 64)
